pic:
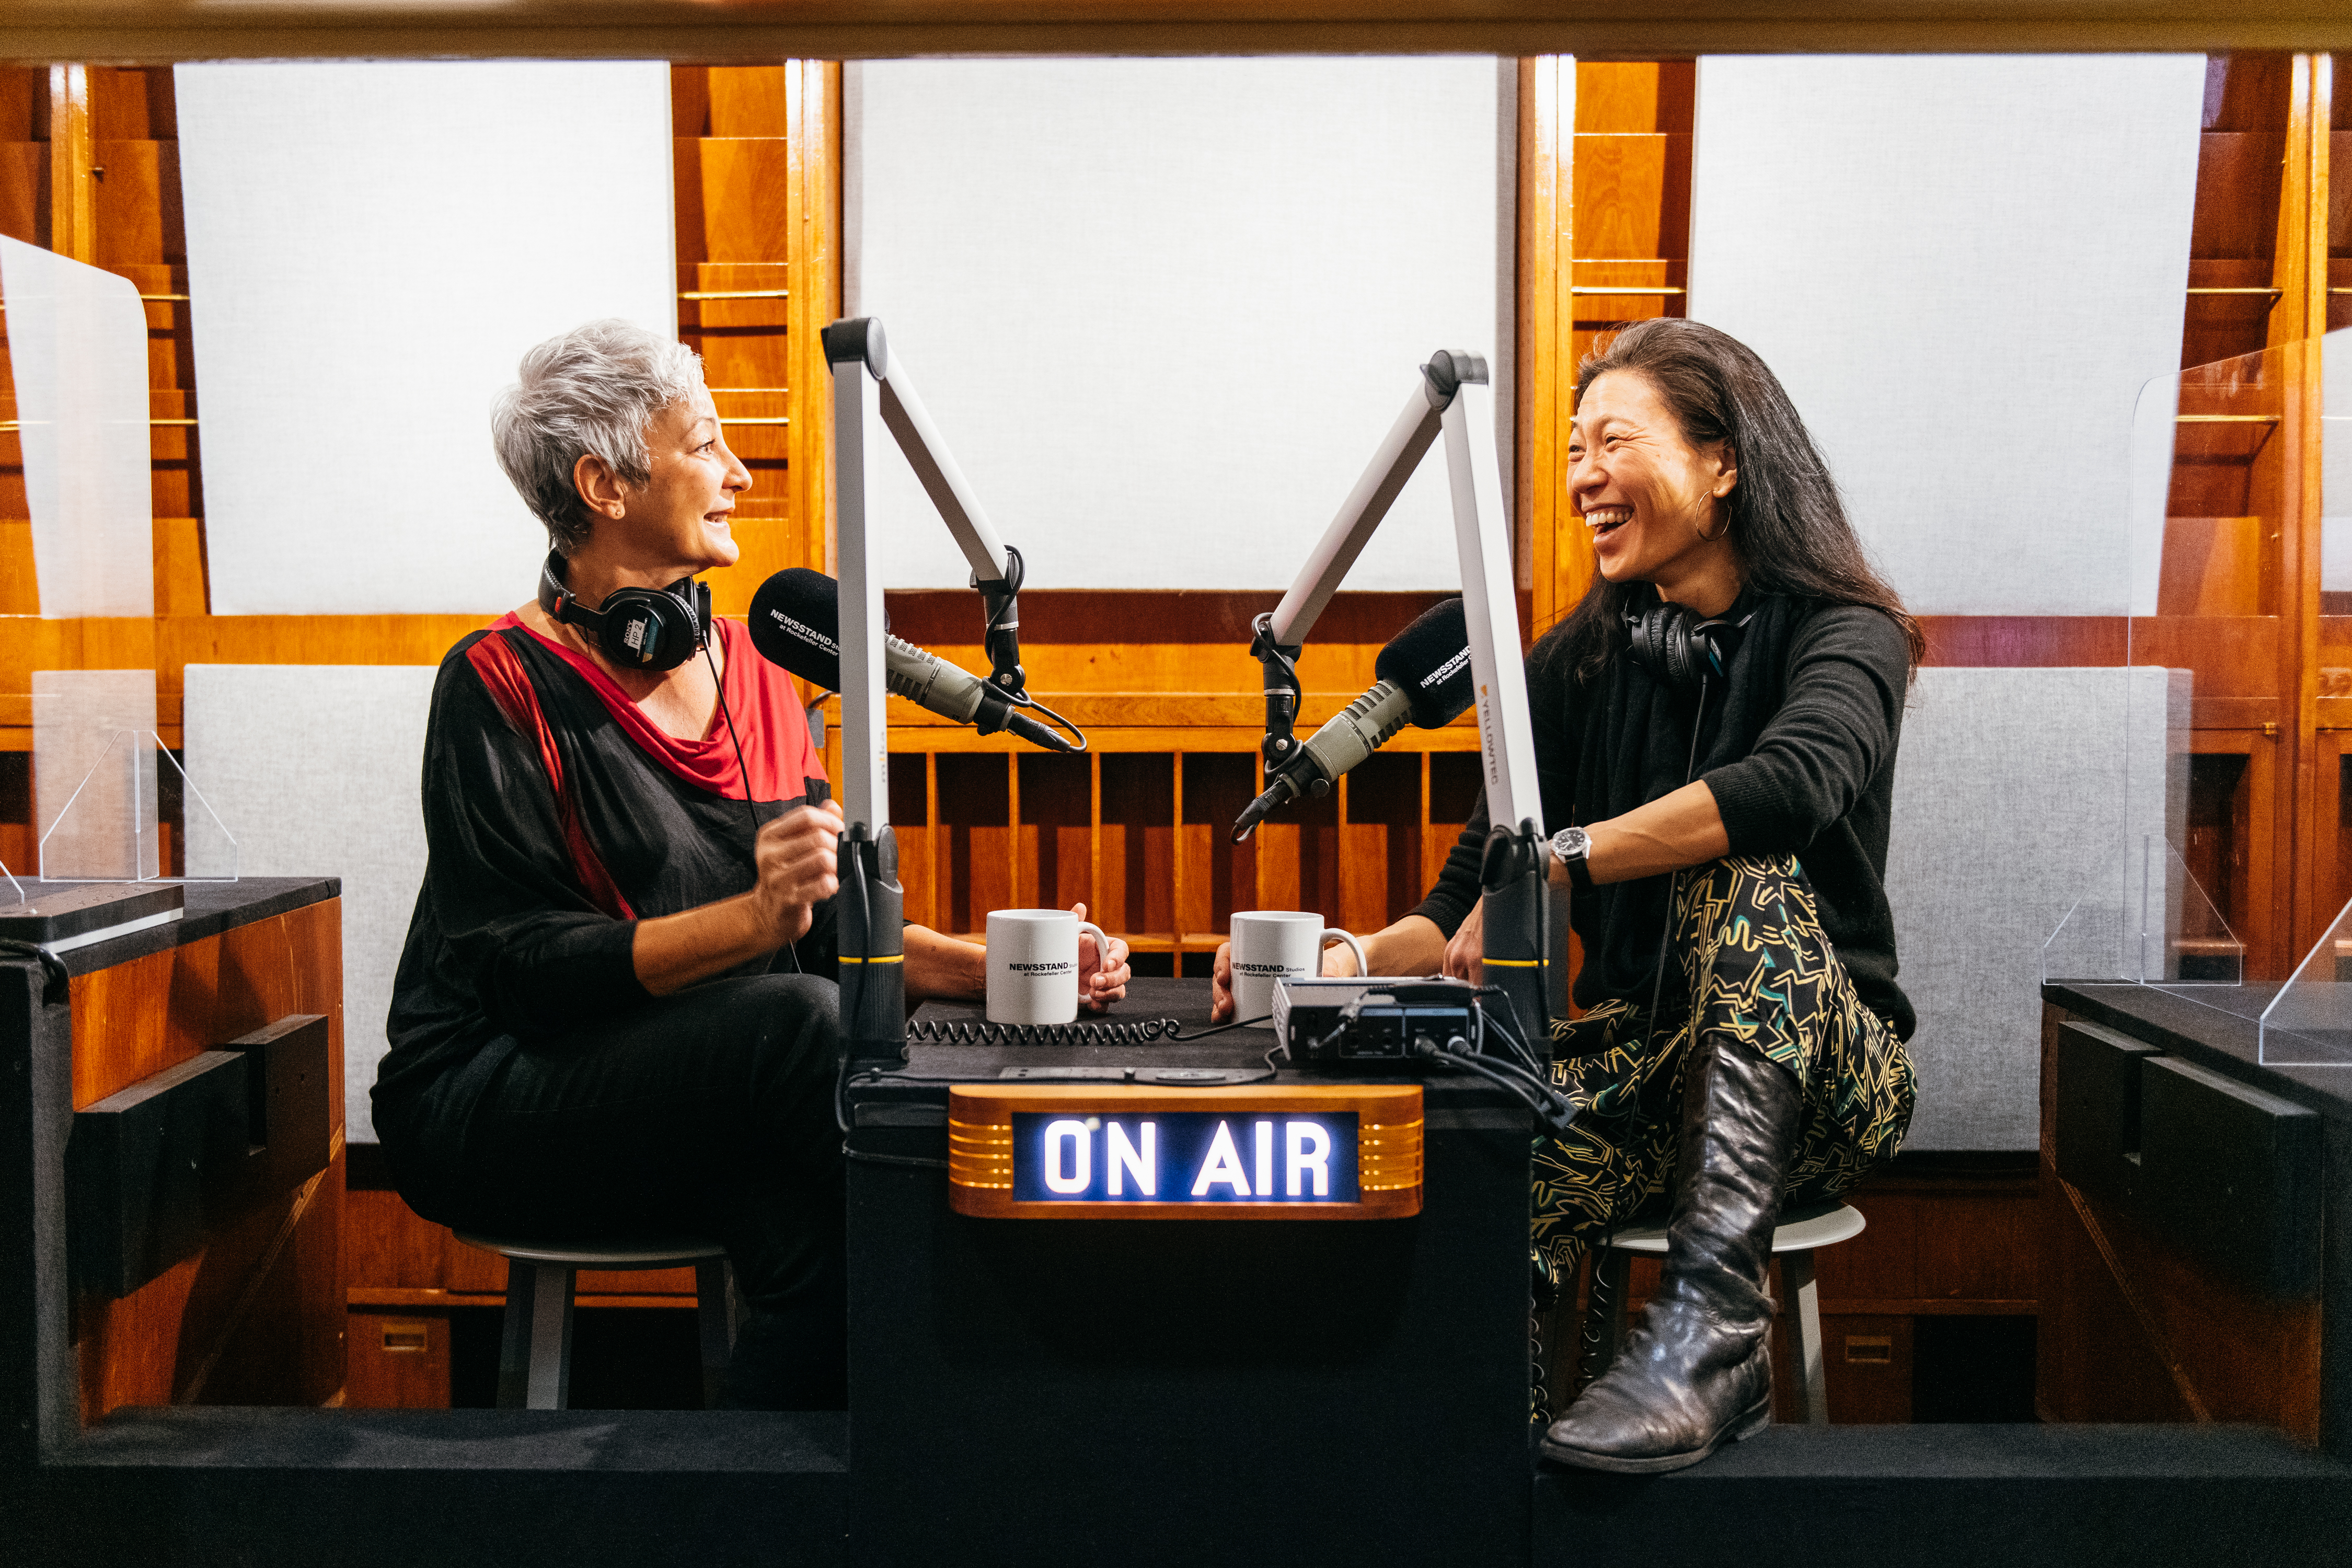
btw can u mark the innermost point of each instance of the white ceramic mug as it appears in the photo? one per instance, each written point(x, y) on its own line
point(1033, 965)
point(1277, 945)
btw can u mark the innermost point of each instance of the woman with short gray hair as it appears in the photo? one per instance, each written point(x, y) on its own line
point(615, 1013)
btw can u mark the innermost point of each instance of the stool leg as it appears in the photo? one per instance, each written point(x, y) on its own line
point(549, 1367)
point(1612, 1276)
point(1797, 1277)
point(712, 1312)
point(514, 1337)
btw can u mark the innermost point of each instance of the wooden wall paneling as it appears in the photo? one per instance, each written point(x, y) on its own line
point(391, 1248)
point(1055, 855)
point(1220, 876)
point(1869, 1364)
point(2233, 783)
point(2339, 204)
point(909, 806)
point(2314, 796)
point(812, 196)
point(72, 211)
point(1545, 246)
point(734, 231)
point(1139, 844)
point(2332, 830)
point(975, 811)
point(1180, 895)
point(399, 1359)
point(1381, 859)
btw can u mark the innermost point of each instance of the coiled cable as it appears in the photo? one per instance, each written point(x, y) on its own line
point(945, 1032)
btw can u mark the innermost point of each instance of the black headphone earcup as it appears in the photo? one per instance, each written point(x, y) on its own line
point(649, 628)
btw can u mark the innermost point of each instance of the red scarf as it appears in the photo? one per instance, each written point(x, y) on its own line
point(761, 699)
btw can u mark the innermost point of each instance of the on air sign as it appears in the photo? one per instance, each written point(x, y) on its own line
point(1184, 1156)
point(1153, 1151)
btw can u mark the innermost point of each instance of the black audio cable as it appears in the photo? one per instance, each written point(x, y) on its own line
point(743, 769)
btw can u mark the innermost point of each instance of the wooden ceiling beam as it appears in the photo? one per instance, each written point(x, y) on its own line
point(137, 32)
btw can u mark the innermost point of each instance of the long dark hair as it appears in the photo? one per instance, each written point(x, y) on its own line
point(1786, 520)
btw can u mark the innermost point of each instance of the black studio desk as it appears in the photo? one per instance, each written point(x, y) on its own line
point(1185, 1392)
point(1100, 1392)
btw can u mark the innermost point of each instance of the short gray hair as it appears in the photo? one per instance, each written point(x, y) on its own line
point(594, 389)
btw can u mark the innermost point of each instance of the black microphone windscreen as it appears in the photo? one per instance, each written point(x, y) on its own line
point(796, 624)
point(1429, 662)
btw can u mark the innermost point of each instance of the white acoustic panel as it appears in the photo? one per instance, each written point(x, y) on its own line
point(2335, 463)
point(1163, 310)
point(2017, 792)
point(1964, 269)
point(78, 358)
point(317, 770)
point(371, 250)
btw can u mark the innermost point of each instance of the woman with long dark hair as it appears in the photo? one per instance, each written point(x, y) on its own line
point(1718, 719)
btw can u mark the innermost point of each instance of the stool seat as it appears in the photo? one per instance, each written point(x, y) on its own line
point(1799, 1230)
point(604, 1252)
point(535, 1339)
point(1799, 1234)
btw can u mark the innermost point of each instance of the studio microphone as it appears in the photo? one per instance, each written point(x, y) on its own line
point(796, 624)
point(1424, 678)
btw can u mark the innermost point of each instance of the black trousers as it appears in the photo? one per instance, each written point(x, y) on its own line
point(710, 1111)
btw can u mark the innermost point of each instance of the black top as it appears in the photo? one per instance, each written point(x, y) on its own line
point(1799, 750)
point(506, 939)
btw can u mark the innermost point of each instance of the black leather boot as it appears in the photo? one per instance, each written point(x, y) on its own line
point(1697, 1370)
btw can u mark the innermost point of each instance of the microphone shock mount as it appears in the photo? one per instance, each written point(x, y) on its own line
point(1282, 693)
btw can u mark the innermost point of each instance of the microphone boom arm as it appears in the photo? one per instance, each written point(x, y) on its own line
point(872, 390)
point(1453, 401)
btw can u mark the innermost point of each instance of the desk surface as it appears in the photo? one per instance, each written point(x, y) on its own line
point(931, 1067)
point(2216, 1027)
point(212, 908)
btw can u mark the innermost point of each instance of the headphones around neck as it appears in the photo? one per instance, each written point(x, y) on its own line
point(646, 629)
point(1680, 649)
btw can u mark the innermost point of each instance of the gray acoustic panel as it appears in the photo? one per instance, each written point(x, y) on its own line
point(317, 771)
point(2017, 792)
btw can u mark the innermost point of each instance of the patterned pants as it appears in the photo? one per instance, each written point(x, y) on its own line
point(1762, 974)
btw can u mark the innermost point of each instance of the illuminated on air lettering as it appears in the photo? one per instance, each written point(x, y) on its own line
point(1185, 1157)
point(1222, 1165)
point(1068, 1137)
point(1140, 1159)
point(1309, 1149)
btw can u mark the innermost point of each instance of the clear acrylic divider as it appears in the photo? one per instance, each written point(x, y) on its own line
point(2309, 1023)
point(2148, 922)
point(2183, 938)
point(137, 816)
point(2217, 455)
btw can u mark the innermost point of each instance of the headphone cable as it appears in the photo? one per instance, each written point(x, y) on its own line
point(1674, 887)
point(743, 768)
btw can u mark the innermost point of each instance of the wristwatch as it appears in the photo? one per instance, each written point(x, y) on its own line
point(1571, 847)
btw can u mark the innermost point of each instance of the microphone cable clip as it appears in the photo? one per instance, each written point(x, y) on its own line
point(1002, 637)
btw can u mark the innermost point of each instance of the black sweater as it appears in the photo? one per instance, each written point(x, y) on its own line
point(505, 942)
point(1799, 752)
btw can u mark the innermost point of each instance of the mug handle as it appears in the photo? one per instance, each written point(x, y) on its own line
point(1102, 943)
point(1355, 946)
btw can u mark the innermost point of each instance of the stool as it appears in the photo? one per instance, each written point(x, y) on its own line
point(535, 1339)
point(1795, 1239)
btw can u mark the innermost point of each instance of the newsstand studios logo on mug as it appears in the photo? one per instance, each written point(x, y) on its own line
point(1181, 1156)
